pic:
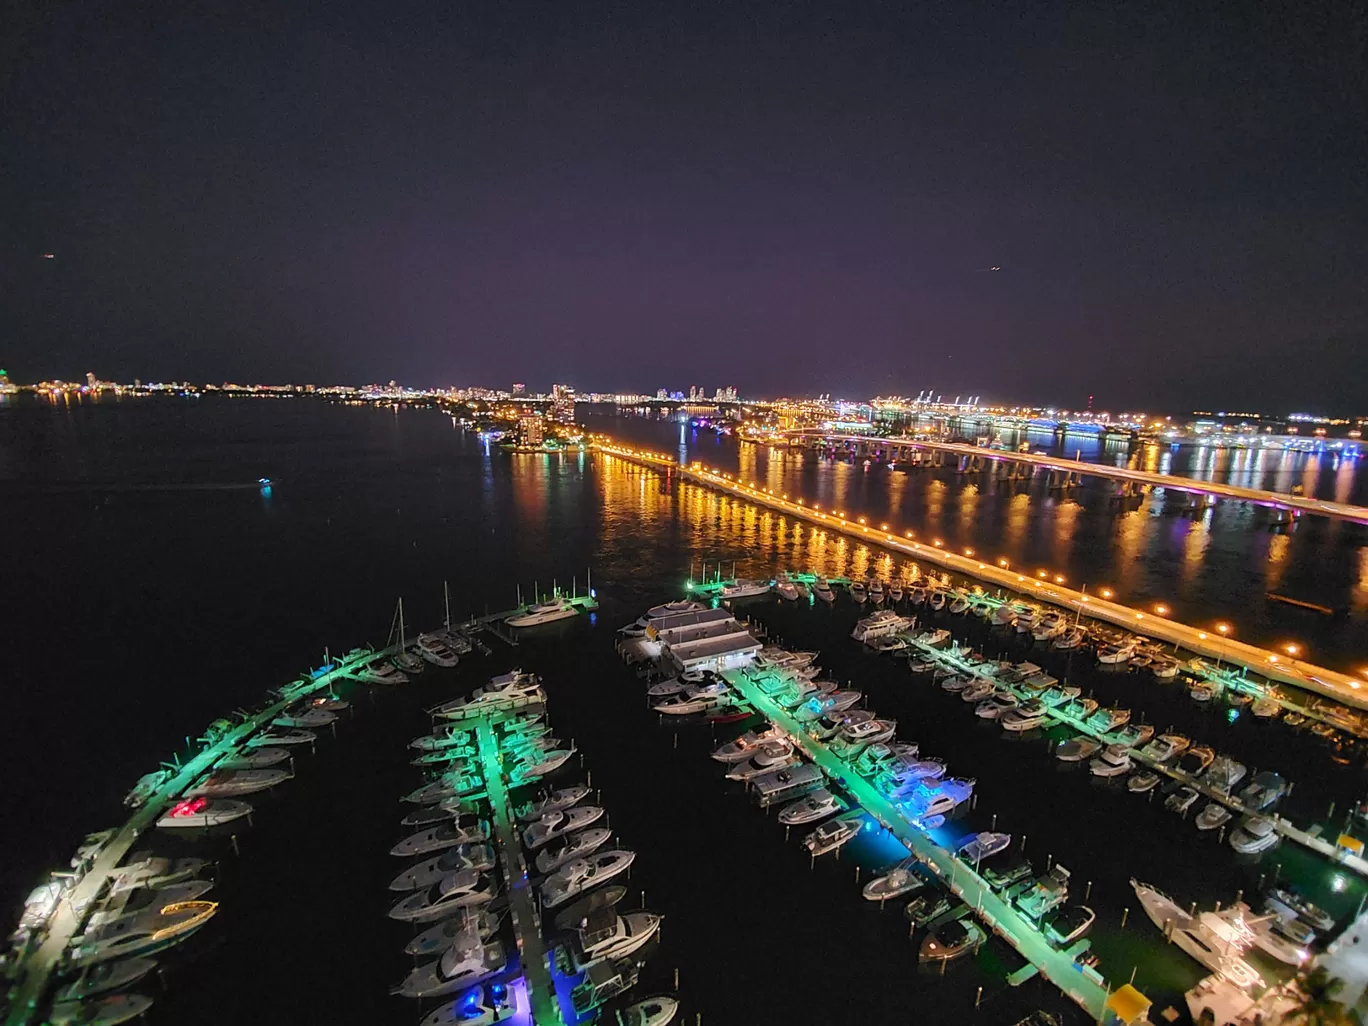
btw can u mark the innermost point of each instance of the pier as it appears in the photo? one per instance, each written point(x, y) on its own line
point(1341, 687)
point(1082, 985)
point(1068, 469)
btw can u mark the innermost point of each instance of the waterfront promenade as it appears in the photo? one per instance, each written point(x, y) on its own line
point(1342, 687)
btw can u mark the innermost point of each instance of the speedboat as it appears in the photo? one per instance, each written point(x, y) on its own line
point(999, 878)
point(1114, 655)
point(469, 960)
point(203, 813)
point(1113, 762)
point(282, 737)
point(1165, 747)
point(887, 643)
point(170, 918)
point(434, 649)
point(901, 879)
point(854, 737)
point(1254, 834)
point(822, 590)
point(1051, 625)
point(834, 833)
point(932, 800)
point(1194, 935)
point(1027, 620)
point(876, 591)
point(1181, 800)
point(857, 591)
point(1143, 781)
point(106, 976)
point(1202, 690)
point(674, 685)
point(878, 757)
point(817, 805)
point(938, 638)
point(1132, 734)
point(960, 605)
point(469, 1009)
point(1213, 815)
point(950, 940)
point(305, 718)
point(104, 1011)
point(878, 624)
point(649, 618)
point(1105, 720)
point(654, 1011)
point(917, 596)
point(1195, 760)
point(745, 746)
point(557, 801)
point(463, 828)
point(544, 612)
point(936, 598)
point(694, 699)
point(1263, 791)
point(380, 672)
point(982, 845)
point(1080, 708)
point(576, 846)
point(580, 875)
point(454, 783)
point(224, 783)
point(569, 918)
point(1164, 668)
point(254, 758)
point(895, 591)
point(1077, 750)
point(537, 763)
point(1046, 894)
point(436, 939)
point(1294, 903)
point(1223, 774)
point(1071, 638)
point(1067, 926)
point(904, 777)
point(977, 691)
point(771, 756)
point(610, 937)
point(785, 588)
point(821, 704)
point(922, 909)
point(556, 824)
point(1005, 615)
point(1027, 716)
point(956, 683)
point(442, 739)
point(743, 588)
point(450, 894)
point(477, 857)
point(997, 705)
point(1266, 709)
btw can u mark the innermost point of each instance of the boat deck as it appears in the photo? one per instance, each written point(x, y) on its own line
point(1084, 986)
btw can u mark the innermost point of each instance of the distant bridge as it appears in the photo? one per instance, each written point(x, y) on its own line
point(1067, 471)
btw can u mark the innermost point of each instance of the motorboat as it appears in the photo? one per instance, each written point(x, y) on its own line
point(822, 590)
point(1266, 709)
point(996, 705)
point(226, 783)
point(310, 718)
point(1005, 615)
point(695, 699)
point(570, 917)
point(931, 801)
point(887, 643)
point(603, 981)
point(468, 961)
point(1079, 749)
point(1067, 925)
point(1195, 760)
point(254, 758)
point(104, 977)
point(982, 845)
point(454, 783)
point(281, 736)
point(434, 648)
point(169, 919)
point(1132, 734)
point(903, 778)
point(857, 591)
point(1203, 690)
point(1027, 716)
point(879, 624)
point(817, 805)
point(604, 935)
point(469, 1009)
point(476, 857)
point(1114, 761)
point(437, 939)
point(1165, 747)
point(999, 878)
point(834, 833)
point(937, 638)
point(785, 784)
point(819, 705)
point(576, 846)
point(855, 737)
point(1105, 720)
point(1213, 815)
point(660, 612)
point(382, 673)
point(977, 691)
point(1254, 834)
point(455, 891)
point(880, 755)
point(203, 813)
point(1045, 895)
point(1051, 626)
point(1054, 697)
point(1181, 800)
point(743, 747)
point(579, 875)
point(1115, 655)
point(1195, 937)
point(1027, 619)
point(1164, 667)
point(876, 590)
point(956, 683)
point(960, 605)
point(544, 612)
point(103, 1011)
point(556, 801)
point(900, 880)
point(920, 665)
point(1285, 898)
point(744, 588)
point(1238, 927)
point(950, 940)
point(1263, 791)
point(937, 598)
point(924, 908)
point(443, 739)
point(1143, 781)
point(917, 596)
point(785, 588)
point(771, 756)
point(1080, 708)
point(895, 591)
point(1223, 774)
point(463, 828)
point(654, 1011)
point(536, 763)
point(559, 823)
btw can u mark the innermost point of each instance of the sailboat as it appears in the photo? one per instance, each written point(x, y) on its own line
point(402, 658)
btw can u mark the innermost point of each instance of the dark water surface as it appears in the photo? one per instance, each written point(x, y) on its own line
point(150, 586)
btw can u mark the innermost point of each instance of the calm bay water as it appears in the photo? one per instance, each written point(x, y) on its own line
point(150, 586)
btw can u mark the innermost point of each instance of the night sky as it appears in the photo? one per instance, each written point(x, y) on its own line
point(789, 198)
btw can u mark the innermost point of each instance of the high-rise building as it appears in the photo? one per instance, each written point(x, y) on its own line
point(562, 404)
point(530, 429)
point(519, 389)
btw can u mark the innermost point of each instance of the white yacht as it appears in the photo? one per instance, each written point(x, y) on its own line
point(745, 746)
point(977, 691)
point(931, 801)
point(576, 846)
point(281, 736)
point(876, 591)
point(743, 588)
point(1114, 655)
point(305, 718)
point(443, 737)
point(106, 976)
point(227, 783)
point(468, 961)
point(695, 699)
point(1212, 816)
point(1224, 774)
point(557, 801)
point(817, 805)
point(657, 613)
point(434, 648)
point(774, 755)
point(854, 737)
point(254, 758)
point(535, 763)
point(1027, 716)
point(466, 828)
point(437, 938)
point(1195, 937)
point(878, 624)
point(834, 833)
point(454, 783)
point(654, 1011)
point(202, 813)
point(1254, 834)
point(1071, 638)
point(455, 891)
point(1027, 619)
point(626, 934)
point(895, 591)
point(996, 705)
point(544, 612)
point(1051, 626)
point(556, 824)
point(1114, 761)
point(1105, 720)
point(785, 588)
point(477, 857)
point(167, 921)
point(937, 598)
point(982, 845)
point(900, 880)
point(1166, 747)
point(380, 672)
point(578, 876)
point(1078, 749)
point(822, 590)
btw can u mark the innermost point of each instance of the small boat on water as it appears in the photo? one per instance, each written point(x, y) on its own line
point(1071, 638)
point(469, 1009)
point(1067, 926)
point(1223, 774)
point(454, 783)
point(1079, 749)
point(895, 591)
point(443, 738)
point(202, 812)
point(1001, 877)
point(536, 763)
point(926, 907)
point(857, 591)
point(1266, 709)
point(1027, 716)
point(576, 846)
point(468, 961)
point(817, 805)
point(382, 673)
point(1114, 761)
point(900, 880)
point(983, 845)
point(1181, 800)
point(649, 618)
point(462, 828)
point(1254, 834)
point(822, 590)
point(1196, 759)
point(556, 801)
point(695, 699)
point(785, 588)
point(606, 936)
point(282, 736)
point(455, 891)
point(744, 588)
point(878, 624)
point(1263, 791)
point(254, 758)
point(820, 705)
point(654, 1011)
point(1143, 781)
point(1105, 720)
point(103, 1011)
point(1165, 747)
point(227, 783)
point(558, 823)
point(570, 917)
point(477, 857)
point(1115, 655)
point(1045, 895)
point(773, 755)
point(169, 918)
point(997, 705)
point(1213, 815)
point(1294, 719)
point(1202, 690)
point(305, 718)
point(876, 591)
point(743, 747)
point(1296, 904)
point(538, 613)
point(436, 650)
point(950, 940)
point(977, 692)
point(834, 833)
point(104, 977)
point(580, 875)
point(881, 755)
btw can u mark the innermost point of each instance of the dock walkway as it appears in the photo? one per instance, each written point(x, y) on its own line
point(1082, 985)
point(521, 901)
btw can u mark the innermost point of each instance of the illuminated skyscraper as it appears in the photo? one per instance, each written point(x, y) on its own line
point(562, 404)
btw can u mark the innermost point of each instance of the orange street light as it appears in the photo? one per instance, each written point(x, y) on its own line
point(1161, 609)
point(1106, 593)
point(968, 552)
point(1059, 578)
point(1291, 649)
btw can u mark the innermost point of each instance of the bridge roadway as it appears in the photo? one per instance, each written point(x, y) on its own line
point(1273, 500)
point(1083, 986)
point(1341, 687)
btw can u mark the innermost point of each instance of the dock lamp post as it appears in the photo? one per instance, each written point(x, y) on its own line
point(1224, 630)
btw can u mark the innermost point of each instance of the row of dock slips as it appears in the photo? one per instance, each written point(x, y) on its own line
point(704, 639)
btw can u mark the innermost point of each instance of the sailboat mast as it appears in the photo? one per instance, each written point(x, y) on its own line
point(446, 605)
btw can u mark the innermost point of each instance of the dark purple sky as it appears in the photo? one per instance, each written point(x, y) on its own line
point(789, 198)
